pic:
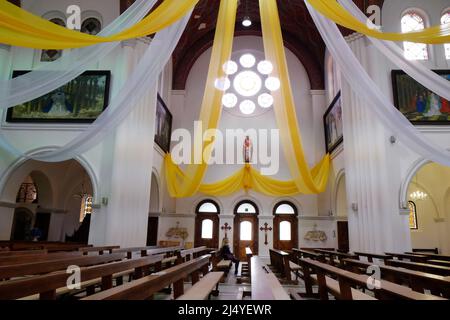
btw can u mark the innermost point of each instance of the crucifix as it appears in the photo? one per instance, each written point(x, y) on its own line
point(225, 227)
point(265, 229)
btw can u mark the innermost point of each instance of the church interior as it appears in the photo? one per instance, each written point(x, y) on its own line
point(225, 150)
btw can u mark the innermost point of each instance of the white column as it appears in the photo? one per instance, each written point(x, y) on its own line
point(125, 217)
point(371, 165)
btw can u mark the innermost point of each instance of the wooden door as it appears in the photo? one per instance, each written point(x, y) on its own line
point(342, 233)
point(282, 240)
point(208, 238)
point(245, 235)
point(152, 231)
point(43, 223)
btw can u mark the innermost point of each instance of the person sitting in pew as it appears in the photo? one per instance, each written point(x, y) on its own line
point(226, 254)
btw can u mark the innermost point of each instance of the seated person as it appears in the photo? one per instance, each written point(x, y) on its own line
point(226, 254)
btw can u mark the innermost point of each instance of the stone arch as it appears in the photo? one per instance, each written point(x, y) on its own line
point(412, 171)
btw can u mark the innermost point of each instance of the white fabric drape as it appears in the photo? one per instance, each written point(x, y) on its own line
point(415, 69)
point(375, 99)
point(49, 76)
point(143, 77)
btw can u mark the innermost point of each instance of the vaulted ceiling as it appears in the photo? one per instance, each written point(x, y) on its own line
point(299, 32)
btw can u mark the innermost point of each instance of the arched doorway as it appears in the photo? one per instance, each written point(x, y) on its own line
point(207, 224)
point(59, 195)
point(341, 212)
point(245, 228)
point(427, 201)
point(22, 225)
point(285, 226)
point(153, 219)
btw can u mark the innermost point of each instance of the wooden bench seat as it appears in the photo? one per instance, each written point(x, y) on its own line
point(51, 285)
point(424, 267)
point(144, 288)
point(280, 261)
point(32, 258)
point(202, 289)
point(348, 280)
point(42, 267)
point(416, 280)
point(333, 287)
point(265, 285)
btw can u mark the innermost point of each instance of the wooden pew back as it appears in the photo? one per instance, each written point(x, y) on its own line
point(371, 256)
point(424, 267)
point(23, 259)
point(35, 268)
point(145, 287)
point(46, 285)
point(416, 280)
point(99, 250)
point(348, 280)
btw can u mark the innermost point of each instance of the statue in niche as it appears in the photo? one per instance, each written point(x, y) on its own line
point(248, 150)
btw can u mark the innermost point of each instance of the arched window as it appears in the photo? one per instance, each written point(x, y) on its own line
point(27, 192)
point(246, 207)
point(284, 208)
point(207, 229)
point(51, 54)
point(413, 21)
point(91, 26)
point(445, 19)
point(207, 224)
point(207, 207)
point(412, 216)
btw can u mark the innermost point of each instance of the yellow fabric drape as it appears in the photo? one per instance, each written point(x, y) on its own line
point(211, 108)
point(186, 183)
point(244, 179)
point(307, 181)
point(336, 12)
point(21, 28)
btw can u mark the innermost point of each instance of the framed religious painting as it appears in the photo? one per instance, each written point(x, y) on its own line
point(163, 125)
point(332, 121)
point(81, 100)
point(418, 104)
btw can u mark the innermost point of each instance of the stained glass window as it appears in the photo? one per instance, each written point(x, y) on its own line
point(86, 206)
point(446, 20)
point(412, 216)
point(51, 54)
point(412, 21)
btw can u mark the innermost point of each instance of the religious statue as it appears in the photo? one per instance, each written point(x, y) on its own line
point(248, 150)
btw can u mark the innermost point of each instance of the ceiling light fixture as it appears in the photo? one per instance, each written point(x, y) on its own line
point(246, 22)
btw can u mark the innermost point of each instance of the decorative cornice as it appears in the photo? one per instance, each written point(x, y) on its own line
point(317, 92)
point(354, 36)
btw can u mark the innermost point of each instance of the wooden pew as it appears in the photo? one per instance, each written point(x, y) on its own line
point(281, 262)
point(432, 256)
point(343, 287)
point(416, 280)
point(23, 259)
point(434, 250)
point(146, 287)
point(424, 267)
point(35, 268)
point(411, 257)
point(51, 285)
point(265, 285)
point(189, 254)
point(49, 246)
point(9, 253)
point(300, 253)
point(204, 287)
point(147, 251)
point(99, 250)
point(336, 258)
point(219, 264)
point(371, 256)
